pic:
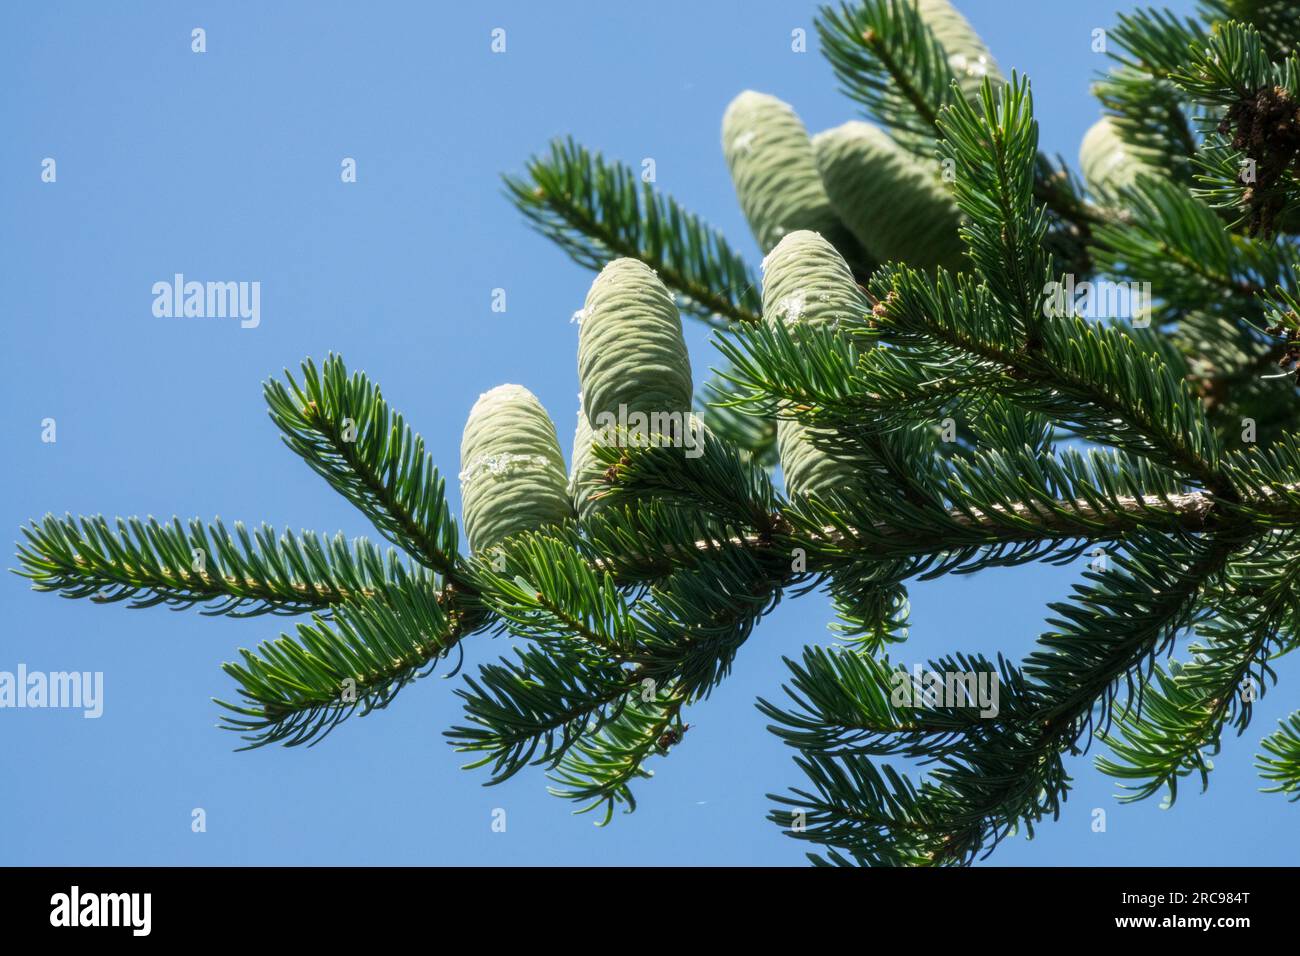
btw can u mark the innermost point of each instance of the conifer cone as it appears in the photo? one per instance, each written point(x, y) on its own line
point(512, 471)
point(585, 471)
point(807, 284)
point(897, 206)
point(968, 57)
point(632, 360)
point(772, 167)
point(631, 351)
point(1108, 163)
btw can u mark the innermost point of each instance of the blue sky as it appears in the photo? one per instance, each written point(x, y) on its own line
point(226, 166)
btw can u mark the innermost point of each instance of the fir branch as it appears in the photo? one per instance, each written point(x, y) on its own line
point(754, 435)
point(1281, 761)
point(1156, 591)
point(997, 498)
point(888, 60)
point(344, 430)
point(711, 477)
point(1259, 101)
point(874, 814)
point(994, 148)
point(599, 768)
point(1148, 111)
point(531, 711)
point(1089, 378)
point(641, 610)
point(1176, 723)
point(1007, 772)
point(642, 543)
point(597, 210)
point(1155, 42)
point(147, 563)
point(295, 690)
point(572, 700)
point(1232, 66)
point(1274, 20)
point(551, 588)
point(848, 701)
point(696, 620)
point(1176, 237)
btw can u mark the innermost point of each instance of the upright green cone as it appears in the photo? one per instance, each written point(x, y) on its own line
point(897, 206)
point(587, 471)
point(512, 471)
point(806, 283)
point(968, 57)
point(809, 470)
point(1108, 162)
point(772, 167)
point(631, 353)
point(633, 367)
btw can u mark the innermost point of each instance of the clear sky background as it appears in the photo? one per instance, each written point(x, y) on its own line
point(225, 166)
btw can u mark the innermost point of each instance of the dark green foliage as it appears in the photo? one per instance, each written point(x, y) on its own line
point(988, 429)
point(345, 431)
point(295, 689)
point(1150, 112)
point(1281, 762)
point(242, 575)
point(889, 61)
point(597, 210)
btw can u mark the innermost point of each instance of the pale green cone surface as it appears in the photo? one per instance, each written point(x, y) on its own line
point(586, 474)
point(630, 346)
point(586, 471)
point(772, 167)
point(968, 57)
point(512, 470)
point(809, 470)
point(897, 205)
point(807, 283)
point(1108, 163)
